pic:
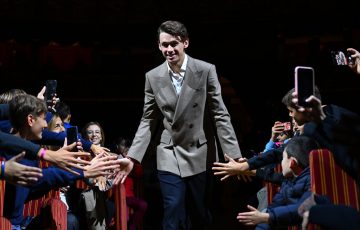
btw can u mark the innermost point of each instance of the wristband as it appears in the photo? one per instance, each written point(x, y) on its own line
point(2, 173)
point(42, 153)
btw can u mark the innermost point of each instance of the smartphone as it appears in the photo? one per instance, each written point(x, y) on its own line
point(304, 84)
point(340, 57)
point(287, 126)
point(50, 92)
point(72, 136)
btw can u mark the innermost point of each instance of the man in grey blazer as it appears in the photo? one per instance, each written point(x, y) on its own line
point(185, 95)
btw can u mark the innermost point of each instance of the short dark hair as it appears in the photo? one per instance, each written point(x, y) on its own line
point(6, 97)
point(121, 141)
point(174, 28)
point(23, 105)
point(62, 110)
point(300, 147)
point(287, 99)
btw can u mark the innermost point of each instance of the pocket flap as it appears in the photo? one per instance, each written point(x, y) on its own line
point(202, 139)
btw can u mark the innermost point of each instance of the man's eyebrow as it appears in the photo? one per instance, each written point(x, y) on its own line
point(169, 43)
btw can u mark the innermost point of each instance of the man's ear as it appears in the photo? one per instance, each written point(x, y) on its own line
point(30, 119)
point(186, 43)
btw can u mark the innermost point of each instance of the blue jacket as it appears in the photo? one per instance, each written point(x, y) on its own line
point(16, 196)
point(52, 138)
point(14, 145)
point(283, 210)
point(340, 133)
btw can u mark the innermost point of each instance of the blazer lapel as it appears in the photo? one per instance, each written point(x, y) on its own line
point(167, 91)
point(189, 87)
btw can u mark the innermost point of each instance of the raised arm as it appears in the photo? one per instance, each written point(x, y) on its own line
point(19, 174)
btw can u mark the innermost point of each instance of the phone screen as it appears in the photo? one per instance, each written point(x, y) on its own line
point(340, 57)
point(304, 84)
point(287, 126)
point(72, 135)
point(50, 92)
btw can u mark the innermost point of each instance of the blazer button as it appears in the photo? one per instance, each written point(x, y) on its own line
point(191, 125)
point(195, 104)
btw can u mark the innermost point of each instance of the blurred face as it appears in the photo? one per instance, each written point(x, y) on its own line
point(172, 48)
point(286, 164)
point(58, 125)
point(299, 117)
point(37, 124)
point(294, 125)
point(123, 150)
point(282, 137)
point(93, 133)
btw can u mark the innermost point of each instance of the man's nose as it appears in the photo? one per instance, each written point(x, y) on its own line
point(170, 48)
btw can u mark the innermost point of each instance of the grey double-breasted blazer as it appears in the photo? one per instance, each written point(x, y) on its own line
point(190, 121)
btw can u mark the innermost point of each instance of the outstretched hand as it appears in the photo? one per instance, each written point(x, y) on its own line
point(101, 166)
point(231, 168)
point(126, 166)
point(66, 160)
point(253, 217)
point(97, 149)
point(20, 174)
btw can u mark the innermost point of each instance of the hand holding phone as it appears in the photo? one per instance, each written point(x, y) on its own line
point(287, 126)
point(72, 136)
point(50, 92)
point(304, 84)
point(340, 57)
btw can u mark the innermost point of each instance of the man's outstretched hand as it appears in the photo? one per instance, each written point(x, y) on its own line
point(230, 168)
point(126, 166)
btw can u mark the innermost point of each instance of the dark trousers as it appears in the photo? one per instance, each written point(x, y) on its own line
point(185, 201)
point(72, 222)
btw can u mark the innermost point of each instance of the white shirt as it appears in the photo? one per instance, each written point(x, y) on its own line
point(178, 78)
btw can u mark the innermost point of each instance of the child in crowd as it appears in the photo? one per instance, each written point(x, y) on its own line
point(294, 190)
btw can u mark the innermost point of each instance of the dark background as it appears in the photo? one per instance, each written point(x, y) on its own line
point(255, 46)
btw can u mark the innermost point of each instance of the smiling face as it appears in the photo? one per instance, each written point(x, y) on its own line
point(173, 48)
point(93, 134)
point(36, 124)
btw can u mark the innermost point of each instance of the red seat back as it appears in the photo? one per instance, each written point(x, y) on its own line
point(4, 223)
point(327, 178)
